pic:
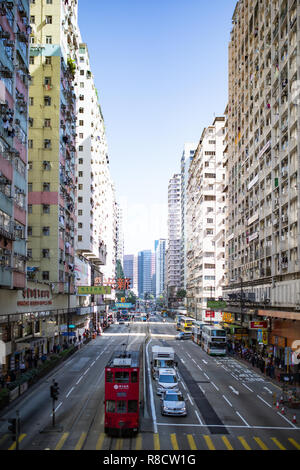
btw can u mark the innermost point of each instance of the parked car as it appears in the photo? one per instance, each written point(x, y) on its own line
point(183, 335)
point(173, 404)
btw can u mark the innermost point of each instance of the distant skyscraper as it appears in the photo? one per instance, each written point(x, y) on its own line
point(128, 268)
point(153, 273)
point(160, 260)
point(173, 278)
point(144, 272)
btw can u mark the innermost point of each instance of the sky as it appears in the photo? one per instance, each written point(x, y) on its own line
point(160, 67)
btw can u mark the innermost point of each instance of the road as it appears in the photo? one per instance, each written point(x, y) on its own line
point(230, 406)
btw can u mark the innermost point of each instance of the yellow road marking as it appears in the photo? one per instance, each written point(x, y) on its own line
point(138, 444)
point(156, 441)
point(3, 438)
point(100, 441)
point(81, 441)
point(260, 443)
point(174, 442)
point(119, 444)
point(191, 442)
point(278, 443)
point(243, 441)
point(227, 443)
point(62, 441)
point(209, 443)
point(13, 446)
point(295, 443)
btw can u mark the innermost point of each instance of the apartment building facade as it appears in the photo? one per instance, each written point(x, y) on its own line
point(205, 225)
point(160, 266)
point(173, 258)
point(263, 241)
point(186, 159)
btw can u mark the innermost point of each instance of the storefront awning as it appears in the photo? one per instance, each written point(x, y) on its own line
point(279, 314)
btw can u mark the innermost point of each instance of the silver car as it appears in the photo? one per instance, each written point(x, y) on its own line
point(173, 404)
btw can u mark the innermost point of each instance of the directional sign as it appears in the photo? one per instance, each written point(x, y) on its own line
point(87, 290)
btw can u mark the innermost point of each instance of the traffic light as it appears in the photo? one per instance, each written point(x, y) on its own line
point(13, 427)
point(54, 391)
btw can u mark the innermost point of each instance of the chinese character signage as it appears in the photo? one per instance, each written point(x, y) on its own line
point(115, 283)
point(88, 290)
point(254, 325)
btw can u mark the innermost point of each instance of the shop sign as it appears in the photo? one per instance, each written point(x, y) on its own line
point(287, 356)
point(209, 314)
point(216, 304)
point(115, 283)
point(227, 317)
point(33, 297)
point(91, 290)
point(254, 325)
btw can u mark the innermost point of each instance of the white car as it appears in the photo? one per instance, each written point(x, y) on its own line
point(166, 380)
point(173, 404)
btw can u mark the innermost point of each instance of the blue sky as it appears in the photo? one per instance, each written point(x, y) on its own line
point(160, 67)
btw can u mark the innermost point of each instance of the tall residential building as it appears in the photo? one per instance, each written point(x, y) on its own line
point(14, 80)
point(186, 159)
point(135, 275)
point(144, 273)
point(263, 167)
point(206, 220)
point(153, 272)
point(160, 263)
point(173, 258)
point(52, 146)
point(128, 268)
point(120, 234)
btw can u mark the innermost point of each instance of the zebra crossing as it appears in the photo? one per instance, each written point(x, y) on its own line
point(160, 441)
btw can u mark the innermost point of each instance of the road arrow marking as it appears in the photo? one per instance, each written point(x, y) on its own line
point(234, 390)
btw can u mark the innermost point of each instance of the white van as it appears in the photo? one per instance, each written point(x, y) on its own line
point(167, 380)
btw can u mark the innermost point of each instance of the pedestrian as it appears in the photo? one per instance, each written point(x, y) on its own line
point(22, 366)
point(54, 348)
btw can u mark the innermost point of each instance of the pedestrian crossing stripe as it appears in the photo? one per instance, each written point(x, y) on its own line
point(13, 446)
point(211, 442)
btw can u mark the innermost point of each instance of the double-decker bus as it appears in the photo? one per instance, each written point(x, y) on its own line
point(197, 331)
point(186, 324)
point(123, 392)
point(213, 340)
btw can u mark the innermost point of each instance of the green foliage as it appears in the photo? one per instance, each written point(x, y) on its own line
point(181, 294)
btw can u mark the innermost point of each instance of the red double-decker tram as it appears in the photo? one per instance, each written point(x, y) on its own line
point(123, 392)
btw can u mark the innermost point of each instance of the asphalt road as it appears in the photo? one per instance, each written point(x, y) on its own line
point(229, 405)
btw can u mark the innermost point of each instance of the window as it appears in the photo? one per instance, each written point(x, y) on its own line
point(80, 212)
point(80, 199)
point(49, 2)
point(47, 122)
point(80, 148)
point(46, 231)
point(48, 39)
point(29, 252)
point(81, 72)
point(47, 80)
point(31, 60)
point(80, 174)
point(81, 123)
point(210, 221)
point(48, 60)
point(81, 85)
point(31, 101)
point(32, 19)
point(121, 406)
point(80, 238)
point(29, 187)
point(81, 110)
point(46, 253)
point(80, 161)
point(110, 406)
point(80, 186)
point(47, 144)
point(121, 377)
point(29, 231)
point(45, 275)
point(48, 19)
point(134, 376)
point(29, 165)
point(30, 143)
point(109, 376)
point(29, 208)
point(46, 209)
point(47, 100)
point(132, 406)
point(80, 225)
point(80, 135)
point(32, 40)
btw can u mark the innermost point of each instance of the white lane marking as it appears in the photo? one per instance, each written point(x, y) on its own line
point(86, 371)
point(79, 380)
point(234, 390)
point(205, 362)
point(189, 354)
point(190, 399)
point(194, 361)
point(57, 408)
point(203, 391)
point(183, 385)
point(182, 361)
point(206, 376)
point(247, 387)
point(199, 419)
point(264, 401)
point(268, 390)
point(93, 363)
point(234, 376)
point(226, 400)
point(287, 420)
point(242, 419)
point(217, 388)
point(70, 391)
point(199, 367)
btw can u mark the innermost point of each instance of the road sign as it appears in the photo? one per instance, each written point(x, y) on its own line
point(90, 290)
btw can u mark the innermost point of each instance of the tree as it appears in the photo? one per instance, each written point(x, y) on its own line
point(181, 294)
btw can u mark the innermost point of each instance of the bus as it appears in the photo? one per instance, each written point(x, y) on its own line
point(177, 321)
point(197, 331)
point(213, 340)
point(123, 392)
point(186, 324)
